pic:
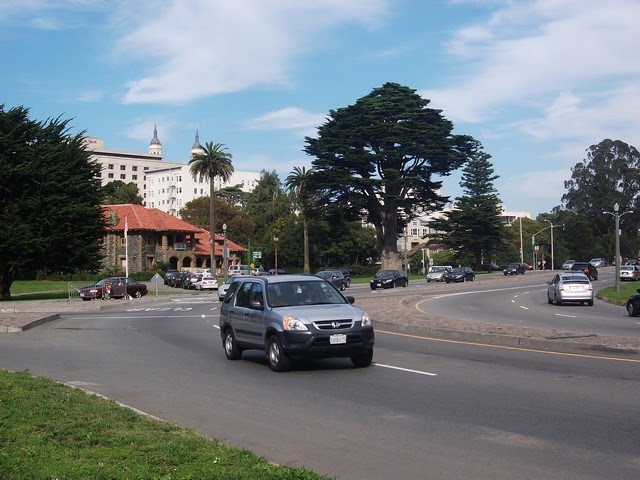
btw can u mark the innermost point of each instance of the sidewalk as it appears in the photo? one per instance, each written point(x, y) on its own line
point(390, 313)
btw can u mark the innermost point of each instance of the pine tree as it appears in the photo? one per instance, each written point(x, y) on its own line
point(473, 229)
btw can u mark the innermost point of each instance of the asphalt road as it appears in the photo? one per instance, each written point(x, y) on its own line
point(426, 409)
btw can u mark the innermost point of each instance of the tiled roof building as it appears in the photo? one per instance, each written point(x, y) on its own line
point(153, 236)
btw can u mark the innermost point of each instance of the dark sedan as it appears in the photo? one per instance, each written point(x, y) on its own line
point(514, 269)
point(588, 269)
point(389, 279)
point(459, 274)
point(633, 304)
point(113, 287)
point(335, 277)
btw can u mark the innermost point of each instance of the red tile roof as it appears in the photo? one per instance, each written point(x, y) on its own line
point(140, 218)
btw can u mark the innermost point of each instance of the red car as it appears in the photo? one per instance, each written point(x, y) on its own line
point(113, 287)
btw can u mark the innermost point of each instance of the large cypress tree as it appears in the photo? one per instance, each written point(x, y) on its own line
point(474, 227)
point(381, 156)
point(50, 199)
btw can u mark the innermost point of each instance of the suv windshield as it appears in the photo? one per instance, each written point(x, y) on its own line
point(289, 294)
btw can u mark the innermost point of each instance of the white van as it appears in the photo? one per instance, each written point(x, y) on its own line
point(239, 270)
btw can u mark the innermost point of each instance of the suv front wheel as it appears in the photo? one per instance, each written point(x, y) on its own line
point(363, 360)
point(278, 360)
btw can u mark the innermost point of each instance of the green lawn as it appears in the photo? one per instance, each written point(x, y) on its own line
point(51, 431)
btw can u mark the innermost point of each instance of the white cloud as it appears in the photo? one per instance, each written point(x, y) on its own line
point(529, 52)
point(198, 48)
point(91, 96)
point(290, 118)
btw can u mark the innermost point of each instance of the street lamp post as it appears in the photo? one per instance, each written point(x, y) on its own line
point(552, 261)
point(225, 260)
point(275, 252)
point(616, 216)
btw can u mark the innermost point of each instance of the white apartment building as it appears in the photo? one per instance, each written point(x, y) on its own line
point(167, 186)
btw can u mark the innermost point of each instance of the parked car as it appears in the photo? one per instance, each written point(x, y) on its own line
point(629, 272)
point(389, 279)
point(222, 288)
point(598, 262)
point(514, 269)
point(436, 272)
point(177, 279)
point(459, 274)
point(113, 287)
point(168, 274)
point(292, 317)
point(633, 304)
point(239, 270)
point(567, 264)
point(206, 283)
point(190, 281)
point(259, 271)
point(279, 271)
point(585, 267)
point(335, 277)
point(570, 287)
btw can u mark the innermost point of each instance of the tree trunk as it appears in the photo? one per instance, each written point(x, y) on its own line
point(6, 280)
point(305, 231)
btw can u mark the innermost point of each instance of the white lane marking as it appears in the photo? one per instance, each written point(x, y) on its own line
point(405, 369)
point(564, 315)
point(523, 307)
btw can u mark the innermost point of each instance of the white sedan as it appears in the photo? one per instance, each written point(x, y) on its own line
point(629, 272)
point(207, 283)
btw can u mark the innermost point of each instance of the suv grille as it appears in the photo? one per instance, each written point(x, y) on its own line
point(333, 324)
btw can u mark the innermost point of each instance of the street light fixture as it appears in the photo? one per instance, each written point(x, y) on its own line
point(225, 259)
point(616, 216)
point(552, 261)
point(275, 252)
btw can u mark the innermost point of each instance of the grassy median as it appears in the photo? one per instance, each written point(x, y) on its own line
point(51, 431)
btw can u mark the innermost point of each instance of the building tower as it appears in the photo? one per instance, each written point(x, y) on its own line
point(155, 147)
point(197, 149)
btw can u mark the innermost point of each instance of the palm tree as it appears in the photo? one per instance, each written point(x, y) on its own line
point(213, 162)
point(298, 181)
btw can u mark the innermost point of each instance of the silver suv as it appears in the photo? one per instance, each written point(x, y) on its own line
point(292, 317)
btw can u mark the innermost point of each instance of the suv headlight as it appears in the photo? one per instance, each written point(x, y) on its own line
point(365, 321)
point(293, 324)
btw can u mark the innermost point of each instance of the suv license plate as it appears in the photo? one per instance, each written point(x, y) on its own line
point(337, 339)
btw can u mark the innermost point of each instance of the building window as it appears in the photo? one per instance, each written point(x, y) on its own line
point(123, 167)
point(110, 175)
point(195, 192)
point(110, 166)
point(134, 168)
point(123, 176)
point(134, 177)
point(147, 168)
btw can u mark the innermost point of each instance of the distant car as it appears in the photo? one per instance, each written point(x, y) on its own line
point(570, 287)
point(259, 271)
point(178, 279)
point(436, 273)
point(335, 277)
point(206, 283)
point(168, 274)
point(567, 265)
point(629, 272)
point(514, 269)
point(222, 288)
point(633, 304)
point(585, 267)
point(459, 274)
point(113, 287)
point(279, 271)
point(527, 266)
point(598, 262)
point(189, 282)
point(389, 279)
point(491, 267)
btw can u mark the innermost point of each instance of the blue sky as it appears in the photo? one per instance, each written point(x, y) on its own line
point(537, 82)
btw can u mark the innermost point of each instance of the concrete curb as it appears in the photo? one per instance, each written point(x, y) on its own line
point(509, 341)
point(30, 324)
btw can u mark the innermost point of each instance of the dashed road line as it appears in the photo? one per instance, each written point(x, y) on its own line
point(409, 370)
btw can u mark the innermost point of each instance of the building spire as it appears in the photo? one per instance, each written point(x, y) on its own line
point(197, 149)
point(155, 147)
